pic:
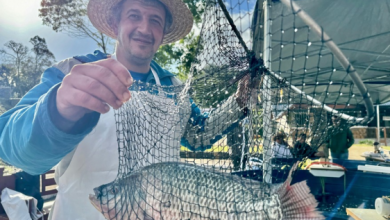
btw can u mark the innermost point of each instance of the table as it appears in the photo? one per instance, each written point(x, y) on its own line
point(327, 171)
point(364, 214)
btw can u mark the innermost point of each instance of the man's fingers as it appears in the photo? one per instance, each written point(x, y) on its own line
point(109, 79)
point(106, 78)
point(118, 69)
point(122, 74)
point(82, 99)
point(96, 89)
point(91, 86)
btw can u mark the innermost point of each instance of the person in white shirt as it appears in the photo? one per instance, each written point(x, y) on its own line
point(280, 148)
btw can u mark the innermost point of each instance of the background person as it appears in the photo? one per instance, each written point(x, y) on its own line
point(280, 148)
point(301, 149)
point(340, 139)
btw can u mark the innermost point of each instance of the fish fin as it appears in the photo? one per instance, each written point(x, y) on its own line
point(296, 200)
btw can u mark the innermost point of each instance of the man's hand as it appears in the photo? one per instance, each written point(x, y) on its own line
point(92, 87)
point(246, 90)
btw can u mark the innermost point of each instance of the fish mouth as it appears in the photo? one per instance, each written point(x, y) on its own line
point(95, 202)
point(97, 192)
point(101, 208)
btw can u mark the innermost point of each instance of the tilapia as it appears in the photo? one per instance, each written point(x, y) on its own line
point(174, 190)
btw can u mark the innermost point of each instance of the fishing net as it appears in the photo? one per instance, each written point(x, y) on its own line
point(291, 83)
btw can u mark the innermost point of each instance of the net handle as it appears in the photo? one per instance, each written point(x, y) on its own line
point(341, 59)
point(327, 163)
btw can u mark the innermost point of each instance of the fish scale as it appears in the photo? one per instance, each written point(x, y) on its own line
point(174, 190)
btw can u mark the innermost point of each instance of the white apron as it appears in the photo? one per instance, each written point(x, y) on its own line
point(95, 161)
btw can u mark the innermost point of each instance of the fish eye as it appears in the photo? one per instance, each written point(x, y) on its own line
point(114, 190)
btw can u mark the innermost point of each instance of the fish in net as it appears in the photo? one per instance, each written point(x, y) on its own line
point(184, 149)
point(174, 190)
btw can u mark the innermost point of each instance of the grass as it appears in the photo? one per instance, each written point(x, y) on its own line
point(225, 149)
point(213, 149)
point(367, 145)
point(221, 149)
point(8, 170)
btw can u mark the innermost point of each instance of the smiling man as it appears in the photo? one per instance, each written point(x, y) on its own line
point(140, 31)
point(68, 118)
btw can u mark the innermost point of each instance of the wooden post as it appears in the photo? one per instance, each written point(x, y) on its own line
point(385, 136)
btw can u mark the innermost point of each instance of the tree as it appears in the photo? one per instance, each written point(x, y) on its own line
point(4, 73)
point(15, 57)
point(22, 67)
point(42, 58)
point(181, 54)
point(70, 16)
point(209, 88)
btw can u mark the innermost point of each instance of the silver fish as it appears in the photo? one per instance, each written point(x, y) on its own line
point(174, 190)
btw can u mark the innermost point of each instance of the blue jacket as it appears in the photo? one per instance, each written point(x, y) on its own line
point(29, 139)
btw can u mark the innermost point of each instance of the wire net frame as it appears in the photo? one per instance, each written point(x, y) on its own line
point(336, 54)
point(165, 130)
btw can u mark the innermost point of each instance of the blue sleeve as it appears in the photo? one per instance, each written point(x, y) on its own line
point(28, 138)
point(198, 119)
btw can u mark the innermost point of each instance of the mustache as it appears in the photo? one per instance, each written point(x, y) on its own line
point(147, 37)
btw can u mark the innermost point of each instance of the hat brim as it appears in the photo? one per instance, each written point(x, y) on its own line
point(182, 20)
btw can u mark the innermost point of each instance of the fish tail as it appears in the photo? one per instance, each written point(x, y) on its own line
point(296, 200)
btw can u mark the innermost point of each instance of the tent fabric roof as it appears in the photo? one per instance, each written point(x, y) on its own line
point(360, 28)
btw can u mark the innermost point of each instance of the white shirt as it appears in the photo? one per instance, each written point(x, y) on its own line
point(280, 151)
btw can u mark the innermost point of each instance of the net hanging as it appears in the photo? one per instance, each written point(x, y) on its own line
point(185, 150)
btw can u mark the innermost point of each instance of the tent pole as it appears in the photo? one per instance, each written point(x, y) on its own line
point(378, 133)
point(267, 120)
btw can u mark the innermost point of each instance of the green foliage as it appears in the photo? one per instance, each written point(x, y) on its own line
point(178, 57)
point(209, 88)
point(368, 142)
point(196, 8)
point(167, 56)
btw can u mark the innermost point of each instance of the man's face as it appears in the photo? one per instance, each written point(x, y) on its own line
point(302, 140)
point(336, 121)
point(140, 30)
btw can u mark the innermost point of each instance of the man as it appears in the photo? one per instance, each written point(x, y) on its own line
point(301, 149)
point(67, 118)
point(340, 139)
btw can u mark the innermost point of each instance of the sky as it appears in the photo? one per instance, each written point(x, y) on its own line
point(19, 21)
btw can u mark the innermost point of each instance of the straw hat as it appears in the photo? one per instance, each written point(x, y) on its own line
point(99, 14)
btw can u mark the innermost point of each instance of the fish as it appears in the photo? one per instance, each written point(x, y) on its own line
point(176, 190)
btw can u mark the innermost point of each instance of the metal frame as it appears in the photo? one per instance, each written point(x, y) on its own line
point(267, 107)
point(342, 60)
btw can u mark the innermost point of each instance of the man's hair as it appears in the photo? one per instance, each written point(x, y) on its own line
point(303, 135)
point(279, 136)
point(116, 12)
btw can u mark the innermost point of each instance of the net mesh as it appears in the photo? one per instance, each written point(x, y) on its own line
point(240, 111)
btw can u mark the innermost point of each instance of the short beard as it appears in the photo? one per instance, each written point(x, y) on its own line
point(137, 60)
